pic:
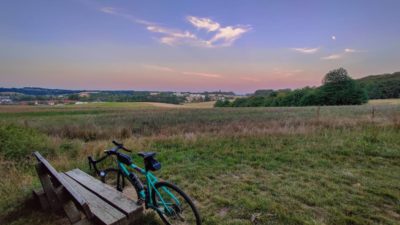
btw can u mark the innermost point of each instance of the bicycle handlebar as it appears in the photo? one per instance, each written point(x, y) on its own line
point(93, 162)
point(120, 146)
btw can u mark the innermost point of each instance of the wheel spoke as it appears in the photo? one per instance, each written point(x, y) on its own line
point(174, 206)
point(183, 208)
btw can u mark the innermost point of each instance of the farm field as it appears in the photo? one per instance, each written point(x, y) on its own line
point(384, 102)
point(290, 165)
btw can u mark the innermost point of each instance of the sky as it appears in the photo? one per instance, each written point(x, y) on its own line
point(184, 45)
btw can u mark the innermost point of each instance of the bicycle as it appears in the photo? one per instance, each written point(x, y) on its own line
point(165, 198)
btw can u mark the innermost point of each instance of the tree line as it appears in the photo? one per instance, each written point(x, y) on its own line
point(164, 97)
point(41, 94)
point(382, 86)
point(338, 88)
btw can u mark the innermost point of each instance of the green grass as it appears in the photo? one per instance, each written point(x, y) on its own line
point(241, 165)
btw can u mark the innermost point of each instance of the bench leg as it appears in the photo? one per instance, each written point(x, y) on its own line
point(48, 188)
point(73, 214)
point(83, 222)
point(41, 197)
point(56, 197)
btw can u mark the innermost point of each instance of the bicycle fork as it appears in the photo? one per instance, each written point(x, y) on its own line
point(120, 181)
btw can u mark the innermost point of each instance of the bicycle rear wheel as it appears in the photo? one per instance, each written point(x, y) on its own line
point(174, 206)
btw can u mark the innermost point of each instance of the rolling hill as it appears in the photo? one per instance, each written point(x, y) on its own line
point(381, 86)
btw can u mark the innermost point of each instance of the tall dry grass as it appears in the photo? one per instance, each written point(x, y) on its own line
point(296, 164)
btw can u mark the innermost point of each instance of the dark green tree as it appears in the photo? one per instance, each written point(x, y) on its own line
point(381, 86)
point(336, 76)
point(340, 89)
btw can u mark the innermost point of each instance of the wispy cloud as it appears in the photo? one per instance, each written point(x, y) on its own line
point(118, 12)
point(144, 22)
point(352, 50)
point(223, 36)
point(108, 10)
point(203, 23)
point(332, 57)
point(210, 75)
point(227, 35)
point(159, 68)
point(341, 55)
point(306, 50)
point(191, 73)
point(349, 50)
point(173, 37)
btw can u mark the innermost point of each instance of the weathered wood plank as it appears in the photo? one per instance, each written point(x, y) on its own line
point(101, 210)
point(76, 196)
point(107, 193)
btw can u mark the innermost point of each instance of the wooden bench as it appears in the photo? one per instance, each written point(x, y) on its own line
point(84, 199)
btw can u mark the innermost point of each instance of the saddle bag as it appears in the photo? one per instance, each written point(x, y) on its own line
point(152, 164)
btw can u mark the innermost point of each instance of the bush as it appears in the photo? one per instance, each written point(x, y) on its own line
point(220, 103)
point(18, 142)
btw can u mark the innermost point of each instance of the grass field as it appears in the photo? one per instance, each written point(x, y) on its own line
point(295, 165)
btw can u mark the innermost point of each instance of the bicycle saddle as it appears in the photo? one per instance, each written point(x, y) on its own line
point(146, 155)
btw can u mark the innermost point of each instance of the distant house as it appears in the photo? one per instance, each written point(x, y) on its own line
point(4, 100)
point(87, 93)
point(67, 101)
point(216, 97)
point(195, 98)
point(84, 94)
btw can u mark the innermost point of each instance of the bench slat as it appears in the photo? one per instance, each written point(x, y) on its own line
point(106, 192)
point(76, 196)
point(103, 211)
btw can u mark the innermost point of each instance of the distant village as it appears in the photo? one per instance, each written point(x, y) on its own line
point(21, 98)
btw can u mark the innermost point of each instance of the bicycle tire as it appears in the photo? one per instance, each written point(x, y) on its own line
point(185, 197)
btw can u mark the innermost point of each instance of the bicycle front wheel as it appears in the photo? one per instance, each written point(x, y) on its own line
point(174, 206)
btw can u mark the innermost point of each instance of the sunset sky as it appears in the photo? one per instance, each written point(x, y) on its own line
point(186, 45)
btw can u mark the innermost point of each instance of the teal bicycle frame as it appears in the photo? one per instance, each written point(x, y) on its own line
point(151, 180)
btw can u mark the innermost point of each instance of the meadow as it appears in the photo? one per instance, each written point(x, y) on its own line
point(277, 165)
